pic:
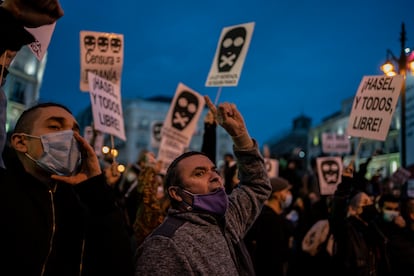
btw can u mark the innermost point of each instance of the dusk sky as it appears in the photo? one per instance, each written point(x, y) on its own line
point(305, 57)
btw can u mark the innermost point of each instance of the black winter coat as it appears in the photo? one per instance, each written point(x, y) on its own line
point(60, 230)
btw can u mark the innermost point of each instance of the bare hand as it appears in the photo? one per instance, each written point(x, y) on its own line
point(34, 13)
point(227, 115)
point(349, 170)
point(90, 164)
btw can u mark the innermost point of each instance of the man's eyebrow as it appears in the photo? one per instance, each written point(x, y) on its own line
point(205, 168)
point(62, 120)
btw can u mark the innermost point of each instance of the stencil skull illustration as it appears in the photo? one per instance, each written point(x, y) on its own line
point(90, 42)
point(116, 45)
point(231, 47)
point(103, 43)
point(184, 110)
point(330, 171)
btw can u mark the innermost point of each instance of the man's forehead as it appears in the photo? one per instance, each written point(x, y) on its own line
point(196, 160)
point(55, 113)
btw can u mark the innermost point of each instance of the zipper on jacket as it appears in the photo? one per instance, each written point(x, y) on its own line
point(52, 203)
point(81, 259)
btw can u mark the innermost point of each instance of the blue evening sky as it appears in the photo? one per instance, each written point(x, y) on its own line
point(305, 57)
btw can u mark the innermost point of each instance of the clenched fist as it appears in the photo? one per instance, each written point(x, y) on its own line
point(34, 13)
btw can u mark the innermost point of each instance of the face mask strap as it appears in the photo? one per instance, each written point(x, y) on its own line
point(28, 135)
point(188, 206)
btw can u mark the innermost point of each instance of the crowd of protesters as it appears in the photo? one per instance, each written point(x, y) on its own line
point(65, 212)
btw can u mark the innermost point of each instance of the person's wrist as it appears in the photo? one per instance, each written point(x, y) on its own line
point(242, 141)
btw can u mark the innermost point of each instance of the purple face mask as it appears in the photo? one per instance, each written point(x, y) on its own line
point(215, 202)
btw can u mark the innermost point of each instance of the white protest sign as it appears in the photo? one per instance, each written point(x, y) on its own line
point(335, 143)
point(330, 173)
point(272, 167)
point(180, 123)
point(42, 36)
point(106, 106)
point(373, 106)
point(94, 138)
point(101, 54)
point(231, 52)
point(156, 128)
point(168, 151)
point(183, 115)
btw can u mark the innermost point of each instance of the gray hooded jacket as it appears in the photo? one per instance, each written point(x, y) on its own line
point(203, 244)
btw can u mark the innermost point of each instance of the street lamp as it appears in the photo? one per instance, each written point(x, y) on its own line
point(403, 64)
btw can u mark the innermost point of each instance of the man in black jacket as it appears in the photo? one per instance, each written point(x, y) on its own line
point(58, 214)
point(360, 245)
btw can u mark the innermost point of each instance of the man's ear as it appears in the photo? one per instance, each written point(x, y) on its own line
point(19, 142)
point(173, 192)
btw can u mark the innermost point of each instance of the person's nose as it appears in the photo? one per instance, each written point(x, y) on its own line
point(215, 176)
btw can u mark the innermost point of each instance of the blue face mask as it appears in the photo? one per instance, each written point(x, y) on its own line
point(61, 154)
point(215, 202)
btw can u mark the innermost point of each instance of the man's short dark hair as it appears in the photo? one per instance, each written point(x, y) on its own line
point(27, 118)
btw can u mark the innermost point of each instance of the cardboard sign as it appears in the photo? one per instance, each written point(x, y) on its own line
point(231, 52)
point(373, 107)
point(335, 143)
point(96, 139)
point(156, 128)
point(329, 173)
point(180, 123)
point(101, 54)
point(106, 106)
point(272, 167)
point(42, 35)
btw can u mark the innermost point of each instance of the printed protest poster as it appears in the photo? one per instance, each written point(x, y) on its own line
point(330, 173)
point(335, 143)
point(373, 106)
point(156, 128)
point(42, 35)
point(230, 54)
point(94, 138)
point(101, 54)
point(272, 167)
point(106, 106)
point(180, 123)
point(169, 149)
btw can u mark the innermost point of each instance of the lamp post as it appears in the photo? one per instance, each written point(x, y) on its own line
point(388, 69)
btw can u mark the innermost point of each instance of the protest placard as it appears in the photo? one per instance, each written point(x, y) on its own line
point(180, 123)
point(335, 143)
point(101, 54)
point(329, 173)
point(374, 106)
point(106, 106)
point(42, 35)
point(230, 54)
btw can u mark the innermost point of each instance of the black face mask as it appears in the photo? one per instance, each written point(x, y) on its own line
point(369, 213)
